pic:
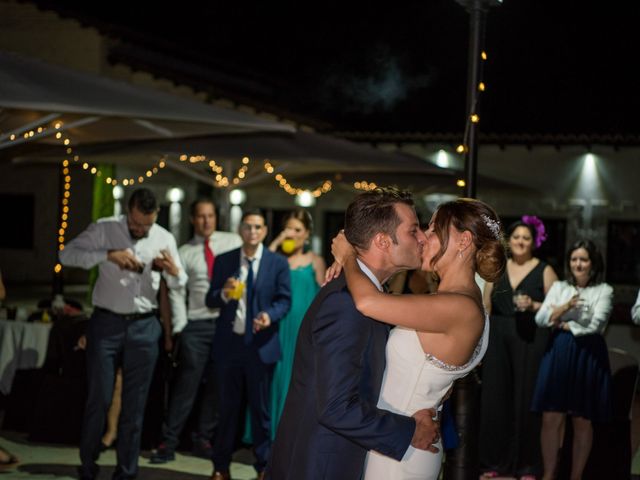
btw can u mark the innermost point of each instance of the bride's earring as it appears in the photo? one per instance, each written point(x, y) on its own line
point(459, 253)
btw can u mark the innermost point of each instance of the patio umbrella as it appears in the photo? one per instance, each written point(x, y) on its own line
point(93, 108)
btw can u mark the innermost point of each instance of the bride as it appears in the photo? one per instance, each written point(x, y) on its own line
point(441, 336)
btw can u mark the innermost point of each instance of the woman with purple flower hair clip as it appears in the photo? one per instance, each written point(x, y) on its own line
point(509, 431)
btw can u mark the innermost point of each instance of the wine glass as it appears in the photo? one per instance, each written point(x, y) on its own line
point(518, 296)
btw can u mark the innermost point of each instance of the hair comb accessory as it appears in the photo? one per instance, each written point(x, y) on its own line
point(536, 223)
point(492, 225)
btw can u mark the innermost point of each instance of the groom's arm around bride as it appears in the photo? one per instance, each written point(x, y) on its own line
point(330, 419)
point(348, 365)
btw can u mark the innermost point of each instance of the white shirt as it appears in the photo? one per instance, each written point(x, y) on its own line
point(195, 265)
point(635, 311)
point(240, 320)
point(369, 274)
point(592, 317)
point(123, 291)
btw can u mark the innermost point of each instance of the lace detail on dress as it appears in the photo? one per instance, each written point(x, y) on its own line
point(455, 368)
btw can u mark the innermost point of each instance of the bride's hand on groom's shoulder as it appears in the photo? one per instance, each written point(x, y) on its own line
point(341, 249)
point(332, 272)
point(427, 431)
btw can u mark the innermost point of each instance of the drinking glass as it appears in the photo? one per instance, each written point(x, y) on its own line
point(288, 245)
point(236, 293)
point(518, 295)
point(582, 305)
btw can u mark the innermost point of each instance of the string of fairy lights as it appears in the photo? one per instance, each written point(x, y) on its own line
point(473, 118)
point(220, 179)
point(292, 190)
point(65, 197)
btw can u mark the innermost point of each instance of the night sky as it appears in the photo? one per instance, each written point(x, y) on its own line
point(555, 66)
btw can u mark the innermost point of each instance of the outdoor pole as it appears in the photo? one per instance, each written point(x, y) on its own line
point(477, 18)
point(462, 463)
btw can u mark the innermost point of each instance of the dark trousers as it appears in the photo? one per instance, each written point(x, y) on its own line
point(194, 368)
point(509, 431)
point(242, 367)
point(112, 340)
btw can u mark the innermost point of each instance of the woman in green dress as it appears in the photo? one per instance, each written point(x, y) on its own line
point(307, 274)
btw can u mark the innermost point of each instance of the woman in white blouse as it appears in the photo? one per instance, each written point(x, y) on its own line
point(574, 376)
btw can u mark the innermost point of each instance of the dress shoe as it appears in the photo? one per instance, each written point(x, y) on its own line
point(162, 454)
point(261, 476)
point(202, 448)
point(87, 473)
point(221, 476)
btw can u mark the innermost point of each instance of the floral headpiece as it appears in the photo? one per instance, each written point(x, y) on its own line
point(536, 223)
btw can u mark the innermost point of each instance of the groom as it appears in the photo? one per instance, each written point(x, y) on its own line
point(330, 418)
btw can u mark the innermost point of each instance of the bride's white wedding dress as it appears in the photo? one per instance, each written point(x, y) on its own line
point(412, 381)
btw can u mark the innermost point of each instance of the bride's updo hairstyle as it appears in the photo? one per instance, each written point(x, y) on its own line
point(484, 225)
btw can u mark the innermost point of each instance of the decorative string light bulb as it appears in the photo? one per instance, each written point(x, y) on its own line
point(364, 185)
point(64, 216)
point(290, 189)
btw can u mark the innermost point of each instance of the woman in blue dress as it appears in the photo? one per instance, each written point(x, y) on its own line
point(307, 274)
point(574, 377)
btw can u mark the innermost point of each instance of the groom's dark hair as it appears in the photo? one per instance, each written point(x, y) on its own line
point(373, 212)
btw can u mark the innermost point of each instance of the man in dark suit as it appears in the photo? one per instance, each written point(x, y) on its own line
point(330, 418)
point(251, 286)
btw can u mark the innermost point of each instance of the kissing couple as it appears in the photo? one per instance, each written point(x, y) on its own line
point(363, 401)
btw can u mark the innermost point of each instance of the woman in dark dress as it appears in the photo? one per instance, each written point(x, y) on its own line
point(509, 431)
point(574, 377)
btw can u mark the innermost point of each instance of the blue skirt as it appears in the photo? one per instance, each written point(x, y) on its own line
point(575, 377)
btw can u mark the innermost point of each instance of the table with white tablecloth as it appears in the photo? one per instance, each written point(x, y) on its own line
point(23, 345)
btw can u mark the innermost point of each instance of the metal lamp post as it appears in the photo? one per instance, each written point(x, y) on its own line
point(477, 20)
point(462, 463)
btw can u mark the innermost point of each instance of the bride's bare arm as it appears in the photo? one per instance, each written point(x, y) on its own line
point(435, 313)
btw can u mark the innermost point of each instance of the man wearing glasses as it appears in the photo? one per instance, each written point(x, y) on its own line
point(133, 254)
point(251, 286)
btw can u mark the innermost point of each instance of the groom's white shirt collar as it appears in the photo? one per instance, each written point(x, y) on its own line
point(369, 274)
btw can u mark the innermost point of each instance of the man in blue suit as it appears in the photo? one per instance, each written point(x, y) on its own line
point(246, 345)
point(330, 418)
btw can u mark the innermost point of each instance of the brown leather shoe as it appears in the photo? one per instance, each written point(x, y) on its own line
point(221, 476)
point(261, 476)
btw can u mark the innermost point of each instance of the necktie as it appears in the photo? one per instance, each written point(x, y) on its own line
point(248, 324)
point(209, 257)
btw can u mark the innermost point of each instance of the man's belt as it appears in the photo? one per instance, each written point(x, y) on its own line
point(126, 316)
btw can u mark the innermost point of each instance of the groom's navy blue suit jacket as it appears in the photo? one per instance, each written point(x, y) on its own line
point(330, 418)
